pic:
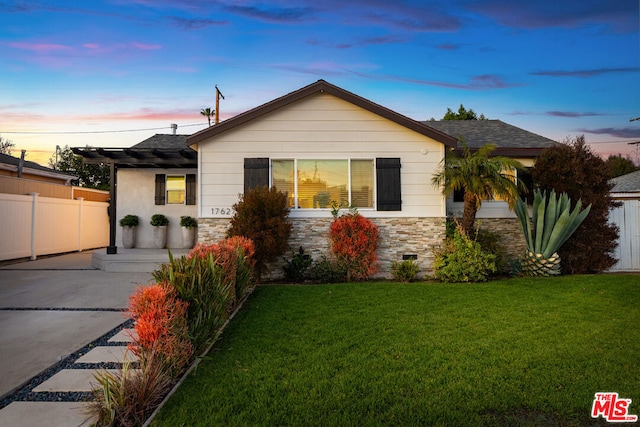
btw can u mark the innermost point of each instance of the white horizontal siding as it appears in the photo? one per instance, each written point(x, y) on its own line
point(321, 127)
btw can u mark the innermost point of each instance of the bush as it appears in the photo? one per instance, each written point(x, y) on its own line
point(161, 327)
point(199, 282)
point(574, 169)
point(295, 270)
point(128, 397)
point(491, 244)
point(188, 222)
point(354, 243)
point(462, 260)
point(129, 221)
point(404, 271)
point(326, 270)
point(261, 215)
point(159, 220)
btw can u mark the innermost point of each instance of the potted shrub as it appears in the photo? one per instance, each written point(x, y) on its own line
point(129, 224)
point(159, 223)
point(188, 225)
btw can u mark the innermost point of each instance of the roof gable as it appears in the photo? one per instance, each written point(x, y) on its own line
point(322, 86)
point(33, 167)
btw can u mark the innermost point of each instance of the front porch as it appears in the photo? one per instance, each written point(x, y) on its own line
point(136, 260)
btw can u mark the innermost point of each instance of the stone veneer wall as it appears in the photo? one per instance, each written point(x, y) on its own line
point(510, 232)
point(398, 237)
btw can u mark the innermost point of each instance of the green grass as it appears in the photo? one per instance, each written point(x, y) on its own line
point(513, 352)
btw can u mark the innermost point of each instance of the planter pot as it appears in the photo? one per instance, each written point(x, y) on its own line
point(160, 236)
point(188, 236)
point(128, 237)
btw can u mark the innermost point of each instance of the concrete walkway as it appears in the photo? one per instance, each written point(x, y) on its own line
point(49, 309)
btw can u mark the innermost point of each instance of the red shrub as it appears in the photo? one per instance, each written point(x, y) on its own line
point(354, 243)
point(161, 326)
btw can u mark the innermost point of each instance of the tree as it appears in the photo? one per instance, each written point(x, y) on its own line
point(261, 215)
point(208, 113)
point(89, 175)
point(572, 168)
point(462, 114)
point(619, 165)
point(481, 177)
point(6, 146)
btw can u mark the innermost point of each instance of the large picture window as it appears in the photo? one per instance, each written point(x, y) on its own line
point(314, 184)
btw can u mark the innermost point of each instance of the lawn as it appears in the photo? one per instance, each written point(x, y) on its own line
point(512, 352)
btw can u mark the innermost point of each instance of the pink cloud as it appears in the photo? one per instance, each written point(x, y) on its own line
point(144, 46)
point(91, 45)
point(39, 47)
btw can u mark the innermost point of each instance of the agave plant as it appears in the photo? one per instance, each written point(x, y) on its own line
point(553, 224)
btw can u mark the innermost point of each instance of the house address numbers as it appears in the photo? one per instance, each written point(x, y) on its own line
point(221, 211)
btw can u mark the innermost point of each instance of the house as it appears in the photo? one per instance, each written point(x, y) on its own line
point(319, 143)
point(155, 176)
point(626, 190)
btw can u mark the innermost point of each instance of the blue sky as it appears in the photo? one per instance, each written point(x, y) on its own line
point(90, 73)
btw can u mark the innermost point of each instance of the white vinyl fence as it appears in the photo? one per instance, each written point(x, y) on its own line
point(32, 225)
point(627, 218)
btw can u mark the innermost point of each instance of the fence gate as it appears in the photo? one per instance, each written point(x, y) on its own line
point(627, 218)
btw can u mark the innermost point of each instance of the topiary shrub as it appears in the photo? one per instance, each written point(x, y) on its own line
point(404, 271)
point(261, 215)
point(354, 244)
point(463, 260)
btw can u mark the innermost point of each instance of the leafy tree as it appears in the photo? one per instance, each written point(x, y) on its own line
point(574, 169)
point(619, 165)
point(261, 215)
point(481, 177)
point(89, 175)
point(208, 113)
point(462, 114)
point(6, 146)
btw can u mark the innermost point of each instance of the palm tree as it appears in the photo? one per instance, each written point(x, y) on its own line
point(481, 177)
point(208, 113)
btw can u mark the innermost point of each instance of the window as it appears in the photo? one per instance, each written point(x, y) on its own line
point(175, 189)
point(316, 183)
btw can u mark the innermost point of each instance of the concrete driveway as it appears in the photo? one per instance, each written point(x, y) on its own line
point(51, 307)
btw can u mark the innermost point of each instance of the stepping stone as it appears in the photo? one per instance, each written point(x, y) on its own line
point(114, 354)
point(124, 335)
point(59, 414)
point(71, 380)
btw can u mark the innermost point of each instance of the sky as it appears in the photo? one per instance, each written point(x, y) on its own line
point(111, 73)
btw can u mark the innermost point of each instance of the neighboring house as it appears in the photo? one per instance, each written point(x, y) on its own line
point(626, 189)
point(24, 169)
point(319, 143)
point(156, 176)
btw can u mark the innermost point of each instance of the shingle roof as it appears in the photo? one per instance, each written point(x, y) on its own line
point(506, 137)
point(164, 141)
point(629, 183)
point(15, 161)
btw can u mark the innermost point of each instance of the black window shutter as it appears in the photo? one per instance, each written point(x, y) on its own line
point(256, 173)
point(458, 195)
point(191, 189)
point(160, 188)
point(388, 194)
